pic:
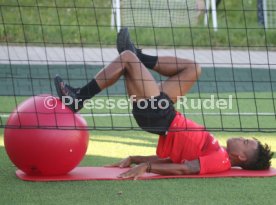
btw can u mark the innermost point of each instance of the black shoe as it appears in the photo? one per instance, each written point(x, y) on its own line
point(64, 90)
point(124, 42)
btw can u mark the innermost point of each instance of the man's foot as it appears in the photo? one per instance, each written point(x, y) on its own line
point(124, 42)
point(67, 94)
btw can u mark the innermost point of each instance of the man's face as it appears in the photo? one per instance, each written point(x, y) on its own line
point(241, 147)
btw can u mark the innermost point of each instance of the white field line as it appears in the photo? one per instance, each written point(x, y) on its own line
point(191, 114)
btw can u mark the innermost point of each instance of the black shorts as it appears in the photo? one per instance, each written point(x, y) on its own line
point(157, 116)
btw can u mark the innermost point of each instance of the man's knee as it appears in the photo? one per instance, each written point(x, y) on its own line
point(130, 62)
point(128, 56)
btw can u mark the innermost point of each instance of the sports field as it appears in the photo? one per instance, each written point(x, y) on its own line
point(114, 134)
point(110, 146)
point(251, 112)
point(107, 147)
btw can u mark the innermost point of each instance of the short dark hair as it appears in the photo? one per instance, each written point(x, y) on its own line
point(260, 160)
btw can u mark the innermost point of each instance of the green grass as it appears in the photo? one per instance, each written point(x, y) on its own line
point(241, 116)
point(109, 146)
point(58, 22)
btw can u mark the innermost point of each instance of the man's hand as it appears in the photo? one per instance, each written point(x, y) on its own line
point(122, 164)
point(134, 172)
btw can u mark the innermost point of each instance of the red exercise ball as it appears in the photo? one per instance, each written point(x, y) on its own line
point(44, 137)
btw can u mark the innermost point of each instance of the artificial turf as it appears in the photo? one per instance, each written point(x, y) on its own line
point(109, 146)
point(47, 24)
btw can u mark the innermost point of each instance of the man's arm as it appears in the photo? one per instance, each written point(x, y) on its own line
point(138, 160)
point(152, 159)
point(189, 167)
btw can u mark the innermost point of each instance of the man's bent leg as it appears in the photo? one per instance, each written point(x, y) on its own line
point(152, 114)
point(139, 80)
point(182, 75)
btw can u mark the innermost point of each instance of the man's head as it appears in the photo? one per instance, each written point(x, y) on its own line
point(249, 153)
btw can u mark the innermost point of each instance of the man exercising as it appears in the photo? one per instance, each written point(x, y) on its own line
point(184, 147)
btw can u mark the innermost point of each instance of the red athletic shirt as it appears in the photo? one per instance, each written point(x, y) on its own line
point(192, 142)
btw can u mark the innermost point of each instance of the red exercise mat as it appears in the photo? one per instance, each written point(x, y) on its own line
point(111, 173)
